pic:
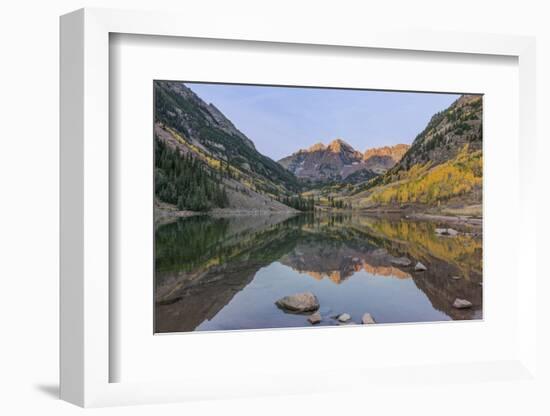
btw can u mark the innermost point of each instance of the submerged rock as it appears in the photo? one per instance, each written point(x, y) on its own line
point(420, 267)
point(400, 261)
point(344, 317)
point(462, 304)
point(315, 318)
point(299, 302)
point(325, 311)
point(368, 319)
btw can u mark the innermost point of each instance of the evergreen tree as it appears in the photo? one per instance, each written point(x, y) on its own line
point(184, 181)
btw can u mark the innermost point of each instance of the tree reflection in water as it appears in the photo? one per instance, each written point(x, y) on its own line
point(202, 263)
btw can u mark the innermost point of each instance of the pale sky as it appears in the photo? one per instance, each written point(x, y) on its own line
point(281, 120)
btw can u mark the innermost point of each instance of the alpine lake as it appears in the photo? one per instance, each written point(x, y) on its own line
point(226, 273)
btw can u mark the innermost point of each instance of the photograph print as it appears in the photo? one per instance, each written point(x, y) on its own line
point(302, 207)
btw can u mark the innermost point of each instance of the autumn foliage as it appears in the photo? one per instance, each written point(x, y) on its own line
point(432, 185)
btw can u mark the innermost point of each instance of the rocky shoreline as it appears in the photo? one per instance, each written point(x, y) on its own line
point(447, 219)
point(166, 213)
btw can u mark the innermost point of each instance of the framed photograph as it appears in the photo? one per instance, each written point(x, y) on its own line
point(231, 203)
point(283, 232)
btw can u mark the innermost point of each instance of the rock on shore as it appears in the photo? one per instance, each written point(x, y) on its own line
point(446, 231)
point(401, 261)
point(420, 267)
point(462, 304)
point(299, 302)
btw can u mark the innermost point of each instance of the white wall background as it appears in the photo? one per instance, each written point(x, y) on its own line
point(29, 205)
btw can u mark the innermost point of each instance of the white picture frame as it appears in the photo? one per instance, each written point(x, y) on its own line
point(85, 211)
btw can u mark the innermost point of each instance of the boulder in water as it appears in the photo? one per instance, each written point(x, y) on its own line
point(344, 317)
point(314, 318)
point(299, 302)
point(368, 319)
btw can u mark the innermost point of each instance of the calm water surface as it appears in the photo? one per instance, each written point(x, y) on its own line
point(227, 273)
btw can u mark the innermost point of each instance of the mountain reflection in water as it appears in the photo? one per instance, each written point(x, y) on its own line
point(226, 273)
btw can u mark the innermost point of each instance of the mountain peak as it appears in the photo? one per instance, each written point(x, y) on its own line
point(337, 145)
point(316, 147)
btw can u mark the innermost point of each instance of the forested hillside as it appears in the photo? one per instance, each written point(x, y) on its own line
point(186, 182)
point(203, 161)
point(443, 165)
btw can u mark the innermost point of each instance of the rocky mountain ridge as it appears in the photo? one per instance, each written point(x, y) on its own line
point(338, 160)
point(381, 159)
